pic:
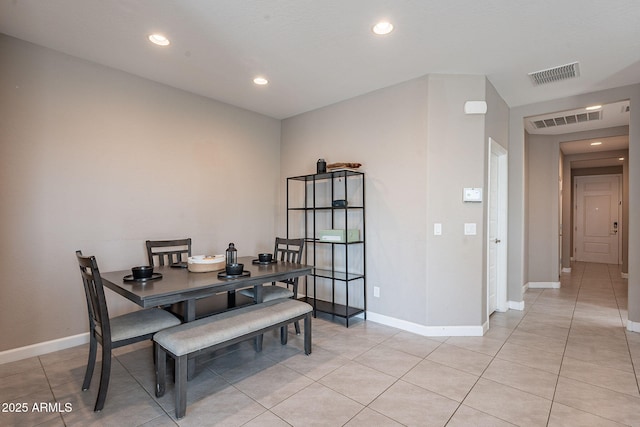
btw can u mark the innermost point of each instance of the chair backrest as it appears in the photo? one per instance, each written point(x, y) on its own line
point(289, 250)
point(168, 251)
point(94, 293)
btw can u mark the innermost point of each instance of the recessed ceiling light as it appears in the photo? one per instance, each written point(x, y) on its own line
point(621, 158)
point(261, 81)
point(596, 143)
point(382, 28)
point(159, 39)
point(593, 107)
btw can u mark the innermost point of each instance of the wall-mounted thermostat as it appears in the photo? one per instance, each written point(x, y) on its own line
point(472, 195)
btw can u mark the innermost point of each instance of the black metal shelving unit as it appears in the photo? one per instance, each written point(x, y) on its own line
point(335, 263)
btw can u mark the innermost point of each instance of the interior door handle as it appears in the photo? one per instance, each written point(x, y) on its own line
point(497, 241)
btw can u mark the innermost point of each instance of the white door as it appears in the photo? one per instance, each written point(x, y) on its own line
point(597, 219)
point(497, 229)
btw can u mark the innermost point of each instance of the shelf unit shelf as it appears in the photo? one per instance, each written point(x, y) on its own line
point(339, 310)
point(338, 266)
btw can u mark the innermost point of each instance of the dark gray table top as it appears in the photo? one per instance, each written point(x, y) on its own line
point(179, 284)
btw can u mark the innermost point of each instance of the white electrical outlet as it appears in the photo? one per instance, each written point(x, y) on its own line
point(376, 292)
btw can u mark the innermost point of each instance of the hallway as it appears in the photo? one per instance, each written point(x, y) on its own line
point(565, 361)
point(577, 331)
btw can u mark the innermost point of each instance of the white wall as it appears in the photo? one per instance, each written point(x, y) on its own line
point(99, 160)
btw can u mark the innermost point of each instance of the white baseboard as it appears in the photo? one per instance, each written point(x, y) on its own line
point(624, 275)
point(43, 348)
point(566, 269)
point(543, 285)
point(428, 331)
point(633, 326)
point(525, 288)
point(516, 305)
point(485, 327)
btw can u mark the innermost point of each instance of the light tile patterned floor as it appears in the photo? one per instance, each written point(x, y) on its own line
point(565, 361)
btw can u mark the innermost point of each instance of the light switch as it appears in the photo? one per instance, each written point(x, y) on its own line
point(470, 229)
point(437, 229)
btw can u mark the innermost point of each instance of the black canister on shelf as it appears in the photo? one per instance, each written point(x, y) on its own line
point(322, 166)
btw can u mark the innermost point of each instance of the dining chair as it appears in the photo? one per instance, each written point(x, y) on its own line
point(113, 332)
point(168, 252)
point(288, 250)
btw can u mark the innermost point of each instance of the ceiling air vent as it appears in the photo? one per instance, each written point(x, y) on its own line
point(555, 74)
point(567, 120)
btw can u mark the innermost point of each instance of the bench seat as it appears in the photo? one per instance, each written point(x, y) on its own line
point(221, 330)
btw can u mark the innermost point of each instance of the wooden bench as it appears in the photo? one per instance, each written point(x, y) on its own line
point(221, 330)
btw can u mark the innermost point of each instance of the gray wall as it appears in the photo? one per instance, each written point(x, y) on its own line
point(99, 160)
point(419, 151)
point(455, 160)
point(543, 222)
point(518, 224)
point(543, 195)
point(386, 131)
point(543, 209)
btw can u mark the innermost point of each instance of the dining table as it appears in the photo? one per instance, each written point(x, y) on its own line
point(179, 285)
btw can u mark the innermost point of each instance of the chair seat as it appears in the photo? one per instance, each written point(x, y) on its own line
point(141, 322)
point(269, 293)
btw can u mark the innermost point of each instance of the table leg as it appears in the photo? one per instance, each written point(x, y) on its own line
point(258, 294)
point(231, 299)
point(189, 314)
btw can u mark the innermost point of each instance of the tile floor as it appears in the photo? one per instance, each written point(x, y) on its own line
point(565, 361)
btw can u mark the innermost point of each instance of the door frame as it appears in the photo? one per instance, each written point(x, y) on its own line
point(502, 226)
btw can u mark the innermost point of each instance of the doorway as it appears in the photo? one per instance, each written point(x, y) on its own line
point(497, 229)
point(598, 221)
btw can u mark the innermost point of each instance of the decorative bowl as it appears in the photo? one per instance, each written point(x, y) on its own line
point(234, 269)
point(265, 257)
point(142, 272)
point(205, 263)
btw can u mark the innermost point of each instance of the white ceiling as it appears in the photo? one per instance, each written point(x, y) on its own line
point(316, 53)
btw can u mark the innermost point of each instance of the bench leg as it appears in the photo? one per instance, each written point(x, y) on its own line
point(161, 370)
point(284, 334)
point(181, 386)
point(307, 334)
point(258, 342)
